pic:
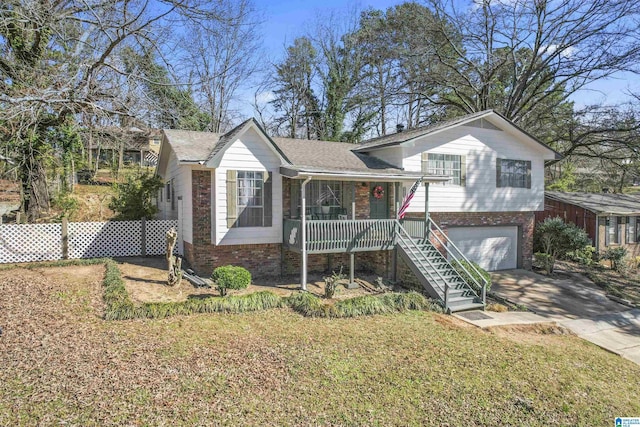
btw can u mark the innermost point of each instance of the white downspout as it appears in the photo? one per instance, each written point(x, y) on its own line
point(303, 232)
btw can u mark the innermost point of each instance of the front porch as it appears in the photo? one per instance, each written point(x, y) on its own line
point(365, 221)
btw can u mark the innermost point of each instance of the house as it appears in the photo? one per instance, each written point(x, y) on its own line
point(610, 220)
point(278, 205)
point(130, 146)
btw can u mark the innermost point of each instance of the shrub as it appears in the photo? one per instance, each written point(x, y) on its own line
point(543, 261)
point(616, 258)
point(133, 197)
point(230, 277)
point(479, 276)
point(584, 256)
point(331, 283)
point(556, 238)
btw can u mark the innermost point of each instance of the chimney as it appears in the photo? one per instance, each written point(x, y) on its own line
point(399, 127)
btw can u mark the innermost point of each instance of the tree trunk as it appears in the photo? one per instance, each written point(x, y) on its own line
point(36, 201)
point(174, 263)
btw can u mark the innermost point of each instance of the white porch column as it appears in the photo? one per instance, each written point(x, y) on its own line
point(303, 232)
point(352, 256)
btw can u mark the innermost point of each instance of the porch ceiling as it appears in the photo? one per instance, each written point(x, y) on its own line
point(294, 172)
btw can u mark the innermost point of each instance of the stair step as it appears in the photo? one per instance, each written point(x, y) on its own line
point(471, 306)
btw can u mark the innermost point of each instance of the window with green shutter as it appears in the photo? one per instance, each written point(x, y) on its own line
point(249, 201)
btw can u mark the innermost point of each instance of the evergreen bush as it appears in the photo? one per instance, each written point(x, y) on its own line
point(230, 277)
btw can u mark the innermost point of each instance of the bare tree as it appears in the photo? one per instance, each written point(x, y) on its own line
point(220, 56)
point(525, 57)
point(61, 58)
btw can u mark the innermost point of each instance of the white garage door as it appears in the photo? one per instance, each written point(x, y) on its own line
point(493, 248)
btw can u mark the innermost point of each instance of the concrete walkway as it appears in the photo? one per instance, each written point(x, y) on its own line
point(572, 301)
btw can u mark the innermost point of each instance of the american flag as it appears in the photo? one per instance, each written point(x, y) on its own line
point(407, 199)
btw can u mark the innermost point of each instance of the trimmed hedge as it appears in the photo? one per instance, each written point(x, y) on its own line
point(230, 277)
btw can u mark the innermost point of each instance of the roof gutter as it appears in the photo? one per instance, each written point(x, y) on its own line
point(293, 174)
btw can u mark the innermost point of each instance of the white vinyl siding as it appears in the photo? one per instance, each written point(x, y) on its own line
point(482, 148)
point(248, 153)
point(176, 195)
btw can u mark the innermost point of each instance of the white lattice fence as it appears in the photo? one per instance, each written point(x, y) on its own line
point(30, 242)
point(156, 235)
point(104, 239)
point(43, 242)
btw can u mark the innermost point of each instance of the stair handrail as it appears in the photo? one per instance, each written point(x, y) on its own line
point(484, 284)
point(399, 233)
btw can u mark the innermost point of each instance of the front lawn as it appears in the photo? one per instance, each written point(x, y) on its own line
point(62, 364)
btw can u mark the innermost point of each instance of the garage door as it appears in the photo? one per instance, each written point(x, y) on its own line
point(493, 248)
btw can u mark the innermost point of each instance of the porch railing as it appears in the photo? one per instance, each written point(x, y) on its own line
point(335, 236)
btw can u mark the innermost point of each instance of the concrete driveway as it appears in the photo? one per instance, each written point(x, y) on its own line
point(576, 303)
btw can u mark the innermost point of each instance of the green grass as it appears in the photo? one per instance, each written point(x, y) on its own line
point(275, 367)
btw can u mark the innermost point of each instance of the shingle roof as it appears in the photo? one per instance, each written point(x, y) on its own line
point(400, 137)
point(191, 146)
point(331, 156)
point(600, 203)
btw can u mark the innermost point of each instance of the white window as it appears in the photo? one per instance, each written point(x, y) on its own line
point(250, 199)
point(444, 164)
point(612, 236)
point(633, 231)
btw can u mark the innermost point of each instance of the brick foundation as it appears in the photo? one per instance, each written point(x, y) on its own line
point(261, 260)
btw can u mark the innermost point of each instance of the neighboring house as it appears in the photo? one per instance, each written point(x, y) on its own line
point(610, 220)
point(248, 199)
point(137, 146)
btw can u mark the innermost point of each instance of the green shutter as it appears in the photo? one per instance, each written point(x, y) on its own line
point(528, 179)
point(498, 172)
point(232, 198)
point(463, 171)
point(267, 211)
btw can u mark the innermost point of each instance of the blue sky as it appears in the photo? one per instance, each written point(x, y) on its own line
point(284, 20)
point(288, 19)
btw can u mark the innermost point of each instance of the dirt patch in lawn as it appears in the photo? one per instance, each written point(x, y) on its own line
point(145, 280)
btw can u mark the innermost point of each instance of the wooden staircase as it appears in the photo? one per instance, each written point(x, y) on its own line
point(436, 274)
